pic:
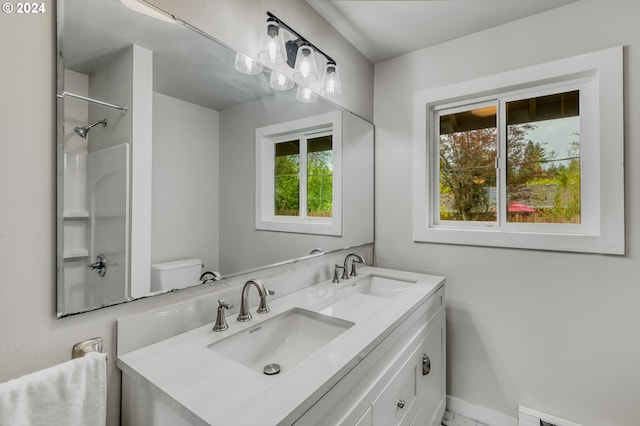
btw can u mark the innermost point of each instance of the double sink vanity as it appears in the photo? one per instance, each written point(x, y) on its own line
point(369, 350)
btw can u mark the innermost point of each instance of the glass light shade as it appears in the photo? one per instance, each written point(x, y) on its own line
point(306, 95)
point(331, 84)
point(272, 50)
point(306, 70)
point(246, 65)
point(280, 81)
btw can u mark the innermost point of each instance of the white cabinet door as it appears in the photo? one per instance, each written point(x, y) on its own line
point(366, 419)
point(431, 381)
point(416, 394)
point(398, 402)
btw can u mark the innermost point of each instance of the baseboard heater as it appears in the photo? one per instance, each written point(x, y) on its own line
point(529, 417)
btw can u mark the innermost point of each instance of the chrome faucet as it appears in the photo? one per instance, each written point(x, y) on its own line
point(210, 276)
point(244, 314)
point(356, 259)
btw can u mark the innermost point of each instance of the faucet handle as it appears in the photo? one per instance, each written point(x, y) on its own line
point(221, 320)
point(263, 308)
point(354, 273)
point(336, 275)
point(223, 304)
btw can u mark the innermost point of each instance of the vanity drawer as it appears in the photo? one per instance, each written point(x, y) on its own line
point(398, 402)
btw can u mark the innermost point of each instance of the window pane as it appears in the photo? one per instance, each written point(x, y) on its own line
point(543, 159)
point(467, 149)
point(320, 176)
point(287, 178)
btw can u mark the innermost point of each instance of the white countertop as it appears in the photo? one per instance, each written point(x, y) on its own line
point(222, 392)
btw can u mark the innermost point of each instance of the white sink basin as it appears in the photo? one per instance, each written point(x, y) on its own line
point(286, 339)
point(375, 285)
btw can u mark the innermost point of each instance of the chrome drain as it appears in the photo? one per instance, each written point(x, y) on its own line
point(271, 369)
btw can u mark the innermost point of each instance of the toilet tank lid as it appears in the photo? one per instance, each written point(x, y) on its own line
point(175, 264)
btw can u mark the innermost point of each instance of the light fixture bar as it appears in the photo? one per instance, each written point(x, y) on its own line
point(297, 34)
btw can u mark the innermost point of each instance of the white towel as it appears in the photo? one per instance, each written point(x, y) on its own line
point(69, 394)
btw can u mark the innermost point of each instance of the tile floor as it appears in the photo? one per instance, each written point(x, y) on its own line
point(452, 419)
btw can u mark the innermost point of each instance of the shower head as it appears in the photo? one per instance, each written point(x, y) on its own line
point(84, 130)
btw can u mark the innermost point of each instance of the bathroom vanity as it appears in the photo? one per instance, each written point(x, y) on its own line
point(367, 351)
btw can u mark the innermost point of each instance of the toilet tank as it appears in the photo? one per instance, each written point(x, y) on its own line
point(175, 274)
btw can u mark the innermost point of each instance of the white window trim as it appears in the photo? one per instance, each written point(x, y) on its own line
point(600, 75)
point(266, 138)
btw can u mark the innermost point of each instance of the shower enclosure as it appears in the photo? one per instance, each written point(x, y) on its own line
point(95, 207)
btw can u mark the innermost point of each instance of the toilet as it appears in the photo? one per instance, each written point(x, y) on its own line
point(175, 274)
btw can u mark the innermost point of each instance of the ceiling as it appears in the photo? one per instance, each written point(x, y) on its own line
point(186, 64)
point(382, 30)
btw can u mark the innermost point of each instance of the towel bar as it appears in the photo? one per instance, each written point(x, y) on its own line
point(86, 346)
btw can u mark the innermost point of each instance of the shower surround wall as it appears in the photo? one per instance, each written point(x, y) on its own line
point(76, 210)
point(97, 169)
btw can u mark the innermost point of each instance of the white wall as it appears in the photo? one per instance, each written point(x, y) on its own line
point(112, 82)
point(31, 337)
point(185, 194)
point(557, 332)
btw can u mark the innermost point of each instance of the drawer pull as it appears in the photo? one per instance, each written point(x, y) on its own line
point(401, 403)
point(426, 364)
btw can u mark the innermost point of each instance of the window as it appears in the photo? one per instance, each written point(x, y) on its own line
point(298, 179)
point(542, 169)
point(530, 158)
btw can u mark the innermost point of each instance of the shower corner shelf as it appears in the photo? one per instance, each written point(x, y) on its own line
point(75, 214)
point(75, 253)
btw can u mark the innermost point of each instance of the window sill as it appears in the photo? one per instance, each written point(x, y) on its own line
point(491, 237)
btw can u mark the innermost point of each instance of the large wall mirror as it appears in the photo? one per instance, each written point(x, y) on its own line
point(161, 165)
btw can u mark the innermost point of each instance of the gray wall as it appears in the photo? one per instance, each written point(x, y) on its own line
point(185, 194)
point(242, 247)
point(557, 332)
point(32, 338)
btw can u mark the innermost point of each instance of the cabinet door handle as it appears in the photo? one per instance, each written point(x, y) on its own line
point(401, 403)
point(426, 364)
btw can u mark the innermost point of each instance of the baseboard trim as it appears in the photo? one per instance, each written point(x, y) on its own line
point(481, 414)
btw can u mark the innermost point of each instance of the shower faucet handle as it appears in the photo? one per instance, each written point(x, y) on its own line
point(100, 265)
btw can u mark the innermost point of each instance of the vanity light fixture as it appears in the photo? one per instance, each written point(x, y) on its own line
point(306, 70)
point(300, 54)
point(272, 51)
point(331, 84)
point(280, 81)
point(246, 65)
point(306, 95)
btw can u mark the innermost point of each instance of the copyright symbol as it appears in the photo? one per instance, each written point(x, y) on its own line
point(7, 8)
